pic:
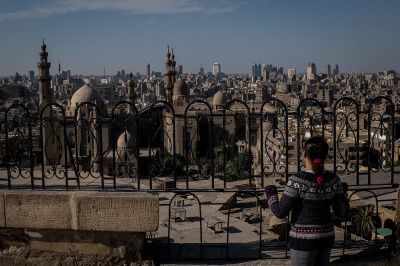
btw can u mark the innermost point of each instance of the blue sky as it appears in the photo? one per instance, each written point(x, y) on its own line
point(88, 35)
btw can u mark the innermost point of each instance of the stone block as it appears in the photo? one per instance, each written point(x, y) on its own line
point(74, 243)
point(2, 214)
point(80, 210)
point(122, 212)
point(37, 210)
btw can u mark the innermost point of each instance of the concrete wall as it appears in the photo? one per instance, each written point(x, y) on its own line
point(98, 223)
point(81, 210)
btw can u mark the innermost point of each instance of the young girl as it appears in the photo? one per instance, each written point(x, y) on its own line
point(309, 195)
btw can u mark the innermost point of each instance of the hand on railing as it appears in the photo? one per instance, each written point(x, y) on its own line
point(345, 187)
point(271, 190)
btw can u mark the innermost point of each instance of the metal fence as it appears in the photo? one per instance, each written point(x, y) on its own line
point(235, 148)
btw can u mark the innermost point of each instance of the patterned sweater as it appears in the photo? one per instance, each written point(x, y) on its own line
point(310, 203)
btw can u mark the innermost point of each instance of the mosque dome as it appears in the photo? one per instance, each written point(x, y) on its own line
point(87, 94)
point(219, 98)
point(125, 141)
point(180, 87)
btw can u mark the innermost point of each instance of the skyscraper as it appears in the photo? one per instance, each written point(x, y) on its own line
point(291, 72)
point(259, 70)
point(311, 71)
point(265, 75)
point(201, 69)
point(216, 68)
point(148, 71)
point(335, 70)
point(31, 75)
point(327, 70)
point(179, 69)
point(254, 70)
point(280, 70)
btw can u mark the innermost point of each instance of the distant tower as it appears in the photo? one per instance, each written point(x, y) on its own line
point(169, 75)
point(31, 75)
point(44, 80)
point(179, 69)
point(201, 69)
point(258, 70)
point(291, 72)
point(216, 68)
point(311, 71)
point(335, 70)
point(148, 71)
point(173, 67)
point(254, 70)
point(59, 67)
point(131, 96)
point(51, 151)
point(327, 70)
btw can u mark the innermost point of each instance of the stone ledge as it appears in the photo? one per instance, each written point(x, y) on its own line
point(79, 210)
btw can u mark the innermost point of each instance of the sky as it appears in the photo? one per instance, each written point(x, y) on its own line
point(86, 36)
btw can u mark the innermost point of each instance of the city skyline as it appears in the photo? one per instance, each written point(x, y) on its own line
point(88, 36)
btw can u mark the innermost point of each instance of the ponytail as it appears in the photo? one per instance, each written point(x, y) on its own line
point(317, 166)
point(316, 149)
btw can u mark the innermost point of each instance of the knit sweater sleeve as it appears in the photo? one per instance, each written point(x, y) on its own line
point(281, 208)
point(341, 205)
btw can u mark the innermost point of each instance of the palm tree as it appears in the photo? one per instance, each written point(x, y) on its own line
point(365, 221)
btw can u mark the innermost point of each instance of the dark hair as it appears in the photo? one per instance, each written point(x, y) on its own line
point(316, 148)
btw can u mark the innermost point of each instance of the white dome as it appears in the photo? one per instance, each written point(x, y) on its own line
point(180, 87)
point(219, 98)
point(125, 141)
point(87, 94)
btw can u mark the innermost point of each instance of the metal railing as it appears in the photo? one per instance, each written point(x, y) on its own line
point(234, 149)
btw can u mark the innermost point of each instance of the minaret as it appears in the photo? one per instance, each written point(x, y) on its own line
point(131, 95)
point(44, 80)
point(169, 85)
point(173, 67)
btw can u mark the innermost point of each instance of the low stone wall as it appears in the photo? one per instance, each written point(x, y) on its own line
point(82, 222)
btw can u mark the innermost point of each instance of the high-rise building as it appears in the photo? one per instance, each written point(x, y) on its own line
point(280, 70)
point(265, 75)
point(254, 70)
point(258, 70)
point(327, 70)
point(335, 70)
point(31, 75)
point(311, 71)
point(216, 68)
point(179, 69)
point(269, 68)
point(291, 72)
point(148, 71)
point(201, 69)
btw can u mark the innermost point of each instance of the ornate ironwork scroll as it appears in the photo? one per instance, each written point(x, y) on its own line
point(53, 143)
point(198, 142)
point(381, 137)
point(18, 133)
point(88, 142)
point(346, 136)
point(125, 146)
point(238, 157)
point(310, 122)
point(274, 137)
point(159, 122)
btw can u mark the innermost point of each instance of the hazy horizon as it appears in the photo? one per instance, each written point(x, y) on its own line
point(87, 35)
